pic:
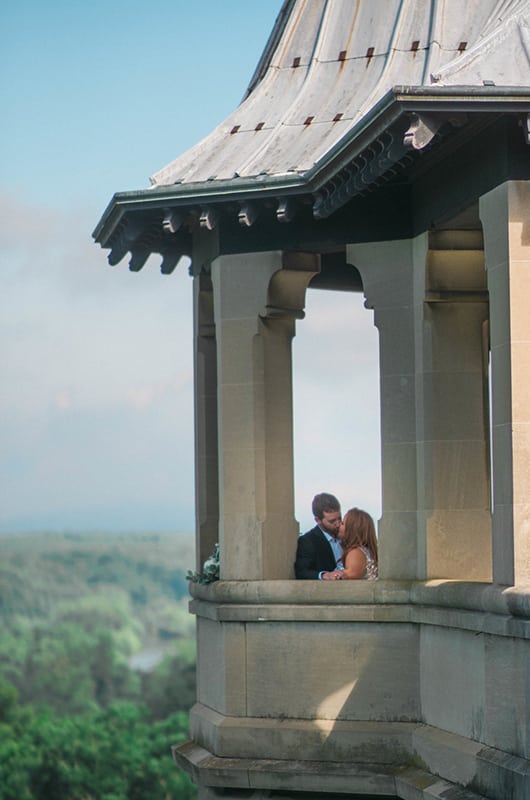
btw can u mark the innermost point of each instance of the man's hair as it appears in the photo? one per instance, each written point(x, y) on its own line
point(323, 503)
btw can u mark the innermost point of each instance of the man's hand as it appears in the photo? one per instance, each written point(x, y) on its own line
point(336, 575)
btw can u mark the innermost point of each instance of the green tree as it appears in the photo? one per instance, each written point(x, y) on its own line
point(75, 609)
point(108, 755)
point(171, 686)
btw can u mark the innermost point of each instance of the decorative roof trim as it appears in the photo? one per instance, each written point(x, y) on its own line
point(372, 145)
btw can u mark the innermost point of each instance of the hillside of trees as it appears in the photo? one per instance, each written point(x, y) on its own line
point(97, 665)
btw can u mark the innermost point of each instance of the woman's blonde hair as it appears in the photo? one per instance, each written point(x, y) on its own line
point(359, 531)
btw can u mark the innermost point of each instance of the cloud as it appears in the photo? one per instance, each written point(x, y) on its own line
point(96, 406)
point(63, 400)
point(85, 350)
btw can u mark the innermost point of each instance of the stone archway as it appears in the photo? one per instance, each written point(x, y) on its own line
point(336, 403)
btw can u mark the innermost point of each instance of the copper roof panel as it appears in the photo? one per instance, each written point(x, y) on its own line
point(333, 63)
point(301, 28)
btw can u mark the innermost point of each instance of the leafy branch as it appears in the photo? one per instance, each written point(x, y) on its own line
point(210, 569)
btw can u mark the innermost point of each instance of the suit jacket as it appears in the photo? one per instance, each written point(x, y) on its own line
point(313, 555)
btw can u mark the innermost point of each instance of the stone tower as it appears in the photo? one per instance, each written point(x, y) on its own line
point(383, 148)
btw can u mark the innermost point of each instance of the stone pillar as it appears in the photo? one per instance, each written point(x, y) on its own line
point(205, 395)
point(205, 249)
point(388, 282)
point(435, 520)
point(505, 215)
point(456, 462)
point(256, 300)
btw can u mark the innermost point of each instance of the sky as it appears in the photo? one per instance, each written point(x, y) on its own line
point(96, 390)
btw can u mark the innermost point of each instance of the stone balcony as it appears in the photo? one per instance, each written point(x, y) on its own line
point(390, 688)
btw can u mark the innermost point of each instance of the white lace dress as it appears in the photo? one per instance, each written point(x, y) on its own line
point(370, 573)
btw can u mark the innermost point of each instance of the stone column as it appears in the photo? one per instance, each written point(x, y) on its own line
point(205, 396)
point(456, 463)
point(387, 271)
point(435, 520)
point(505, 215)
point(256, 300)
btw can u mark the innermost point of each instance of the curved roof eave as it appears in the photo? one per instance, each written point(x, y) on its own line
point(403, 103)
point(347, 95)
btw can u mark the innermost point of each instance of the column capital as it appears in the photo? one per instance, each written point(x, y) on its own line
point(270, 285)
point(287, 287)
point(387, 270)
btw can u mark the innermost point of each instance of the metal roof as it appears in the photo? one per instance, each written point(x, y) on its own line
point(329, 62)
point(348, 95)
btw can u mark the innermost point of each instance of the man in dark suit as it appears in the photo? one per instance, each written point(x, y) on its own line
point(319, 549)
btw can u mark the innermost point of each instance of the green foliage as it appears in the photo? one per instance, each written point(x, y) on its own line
point(172, 683)
point(210, 569)
point(8, 702)
point(86, 606)
point(69, 665)
point(77, 720)
point(105, 755)
point(40, 570)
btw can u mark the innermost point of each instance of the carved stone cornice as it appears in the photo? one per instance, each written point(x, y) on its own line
point(410, 130)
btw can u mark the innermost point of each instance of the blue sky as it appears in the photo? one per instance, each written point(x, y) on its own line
point(96, 418)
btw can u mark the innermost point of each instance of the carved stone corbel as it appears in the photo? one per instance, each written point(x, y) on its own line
point(421, 131)
point(248, 214)
point(209, 218)
point(123, 241)
point(172, 221)
point(170, 261)
point(286, 209)
point(287, 287)
point(425, 126)
point(139, 256)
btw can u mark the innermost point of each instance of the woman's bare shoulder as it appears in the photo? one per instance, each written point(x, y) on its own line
point(355, 563)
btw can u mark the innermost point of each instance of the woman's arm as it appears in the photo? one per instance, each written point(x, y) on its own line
point(354, 564)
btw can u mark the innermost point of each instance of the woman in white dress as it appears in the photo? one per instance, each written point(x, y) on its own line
point(359, 546)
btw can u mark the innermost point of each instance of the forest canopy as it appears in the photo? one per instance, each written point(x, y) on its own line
point(97, 665)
